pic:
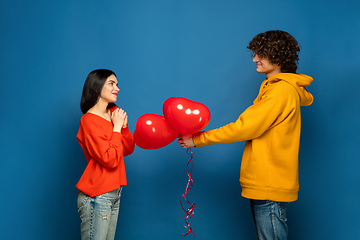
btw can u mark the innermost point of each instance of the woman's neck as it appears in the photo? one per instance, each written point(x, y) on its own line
point(100, 109)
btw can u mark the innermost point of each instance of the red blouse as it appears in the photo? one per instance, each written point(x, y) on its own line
point(104, 151)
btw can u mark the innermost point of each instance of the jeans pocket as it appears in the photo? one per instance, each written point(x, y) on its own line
point(282, 210)
point(82, 199)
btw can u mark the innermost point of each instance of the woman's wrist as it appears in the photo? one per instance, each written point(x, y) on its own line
point(117, 129)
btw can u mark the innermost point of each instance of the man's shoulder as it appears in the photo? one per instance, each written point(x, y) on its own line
point(282, 86)
point(282, 91)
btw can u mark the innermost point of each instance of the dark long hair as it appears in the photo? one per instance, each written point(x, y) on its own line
point(92, 88)
point(280, 47)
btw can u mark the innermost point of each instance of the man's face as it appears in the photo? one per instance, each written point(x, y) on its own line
point(263, 65)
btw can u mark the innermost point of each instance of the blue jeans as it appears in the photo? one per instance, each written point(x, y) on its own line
point(99, 215)
point(270, 219)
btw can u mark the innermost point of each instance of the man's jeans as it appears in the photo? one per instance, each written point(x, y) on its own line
point(99, 215)
point(270, 219)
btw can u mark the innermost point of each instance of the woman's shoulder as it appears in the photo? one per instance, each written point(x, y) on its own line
point(92, 120)
point(88, 117)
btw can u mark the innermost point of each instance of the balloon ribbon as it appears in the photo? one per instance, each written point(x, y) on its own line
point(190, 211)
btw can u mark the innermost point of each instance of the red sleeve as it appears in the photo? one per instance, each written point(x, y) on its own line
point(102, 144)
point(128, 141)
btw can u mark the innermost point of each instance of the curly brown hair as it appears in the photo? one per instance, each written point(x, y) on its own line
point(279, 47)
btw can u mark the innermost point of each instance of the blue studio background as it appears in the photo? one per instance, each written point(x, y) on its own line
point(160, 49)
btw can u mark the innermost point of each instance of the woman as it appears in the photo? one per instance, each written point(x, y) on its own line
point(105, 139)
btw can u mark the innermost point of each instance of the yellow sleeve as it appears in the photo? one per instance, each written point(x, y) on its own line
point(252, 123)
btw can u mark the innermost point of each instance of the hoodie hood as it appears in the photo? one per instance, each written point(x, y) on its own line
point(299, 82)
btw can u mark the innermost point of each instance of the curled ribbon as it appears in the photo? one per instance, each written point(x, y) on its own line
point(190, 211)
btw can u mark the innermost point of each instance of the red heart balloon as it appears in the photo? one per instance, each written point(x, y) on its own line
point(153, 131)
point(186, 116)
point(166, 103)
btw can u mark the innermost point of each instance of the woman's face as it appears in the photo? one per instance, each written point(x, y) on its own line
point(110, 90)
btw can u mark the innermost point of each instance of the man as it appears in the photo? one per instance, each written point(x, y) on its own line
point(271, 129)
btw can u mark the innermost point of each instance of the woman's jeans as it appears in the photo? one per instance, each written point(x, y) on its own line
point(99, 215)
point(270, 219)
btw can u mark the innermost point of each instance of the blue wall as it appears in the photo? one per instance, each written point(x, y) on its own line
point(160, 49)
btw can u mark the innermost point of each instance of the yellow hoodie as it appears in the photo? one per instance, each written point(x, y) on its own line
point(271, 128)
